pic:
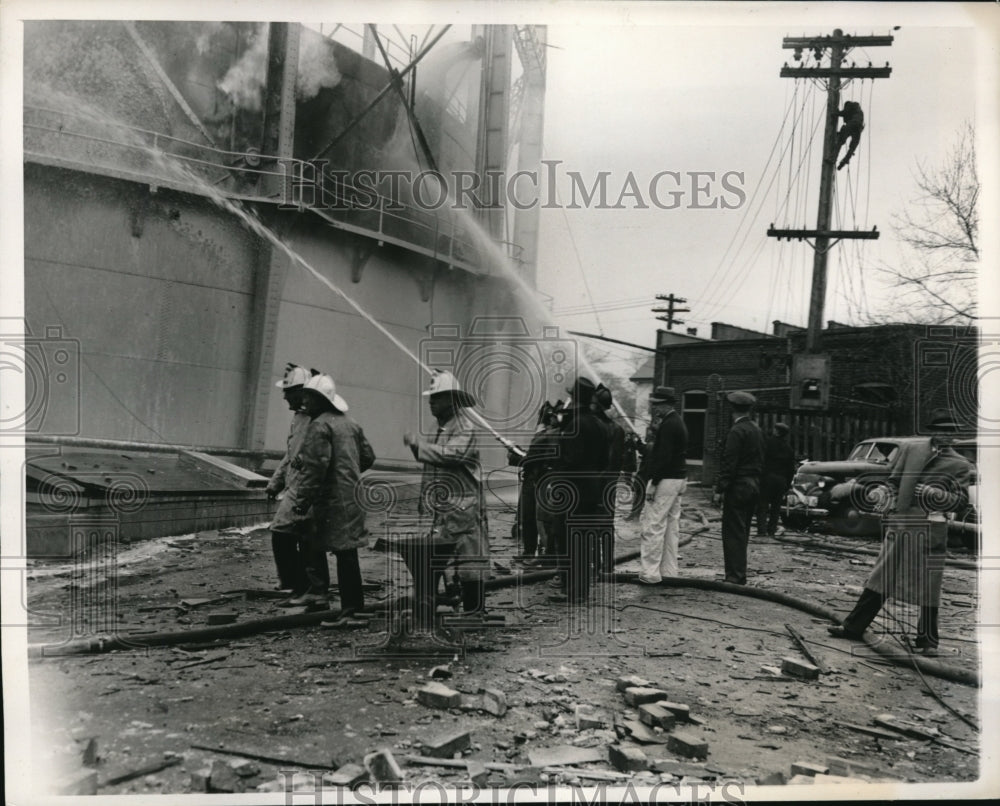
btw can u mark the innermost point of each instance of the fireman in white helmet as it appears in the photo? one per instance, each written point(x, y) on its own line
point(291, 574)
point(320, 508)
point(451, 487)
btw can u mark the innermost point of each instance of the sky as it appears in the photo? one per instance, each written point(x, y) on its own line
point(636, 90)
point(686, 98)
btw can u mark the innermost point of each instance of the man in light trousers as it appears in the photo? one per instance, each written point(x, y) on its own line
point(667, 471)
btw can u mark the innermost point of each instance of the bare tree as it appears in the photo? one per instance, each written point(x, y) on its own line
point(940, 230)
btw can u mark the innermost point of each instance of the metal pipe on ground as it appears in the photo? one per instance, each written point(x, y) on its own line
point(239, 630)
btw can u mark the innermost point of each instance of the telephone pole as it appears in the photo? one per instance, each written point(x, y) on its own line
point(671, 310)
point(837, 47)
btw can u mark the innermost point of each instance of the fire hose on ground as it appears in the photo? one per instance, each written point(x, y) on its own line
point(99, 645)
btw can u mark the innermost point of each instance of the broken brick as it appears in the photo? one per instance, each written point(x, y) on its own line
point(656, 716)
point(587, 718)
point(200, 779)
point(350, 775)
point(807, 768)
point(628, 759)
point(801, 779)
point(681, 711)
point(631, 681)
point(245, 768)
point(383, 767)
point(477, 772)
point(446, 745)
point(495, 701)
point(641, 733)
point(437, 695)
point(223, 779)
point(637, 695)
point(687, 744)
point(799, 669)
point(846, 767)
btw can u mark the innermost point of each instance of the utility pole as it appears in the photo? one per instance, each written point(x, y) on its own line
point(837, 46)
point(671, 310)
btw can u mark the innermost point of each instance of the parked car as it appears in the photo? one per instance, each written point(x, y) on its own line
point(848, 496)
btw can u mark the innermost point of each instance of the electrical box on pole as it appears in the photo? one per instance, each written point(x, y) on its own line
point(810, 383)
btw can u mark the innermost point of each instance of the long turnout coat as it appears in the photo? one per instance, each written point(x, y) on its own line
point(451, 490)
point(321, 484)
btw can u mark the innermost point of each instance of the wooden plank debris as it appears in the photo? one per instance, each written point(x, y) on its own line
point(801, 644)
point(148, 769)
point(564, 756)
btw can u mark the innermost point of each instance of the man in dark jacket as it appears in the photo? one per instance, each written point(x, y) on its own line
point(854, 124)
point(739, 485)
point(534, 463)
point(779, 470)
point(657, 407)
point(582, 457)
point(667, 472)
point(604, 561)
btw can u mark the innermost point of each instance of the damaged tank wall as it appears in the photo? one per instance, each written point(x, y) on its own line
point(318, 328)
point(157, 285)
point(156, 290)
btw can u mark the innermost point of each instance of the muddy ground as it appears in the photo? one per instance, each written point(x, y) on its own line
point(325, 698)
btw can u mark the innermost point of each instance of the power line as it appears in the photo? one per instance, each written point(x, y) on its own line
point(746, 212)
point(579, 262)
point(713, 306)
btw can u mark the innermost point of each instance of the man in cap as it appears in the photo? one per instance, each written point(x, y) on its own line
point(779, 470)
point(320, 508)
point(666, 468)
point(580, 464)
point(739, 484)
point(291, 575)
point(931, 483)
point(452, 487)
point(604, 561)
point(658, 404)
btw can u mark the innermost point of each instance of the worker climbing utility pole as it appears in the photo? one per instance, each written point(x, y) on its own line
point(838, 46)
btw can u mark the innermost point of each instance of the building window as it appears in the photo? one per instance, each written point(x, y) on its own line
point(694, 409)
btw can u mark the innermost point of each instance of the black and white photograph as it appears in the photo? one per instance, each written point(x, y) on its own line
point(499, 402)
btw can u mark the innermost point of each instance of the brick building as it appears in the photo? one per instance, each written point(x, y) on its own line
point(884, 380)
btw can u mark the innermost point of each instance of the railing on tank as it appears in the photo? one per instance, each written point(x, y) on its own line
point(388, 220)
